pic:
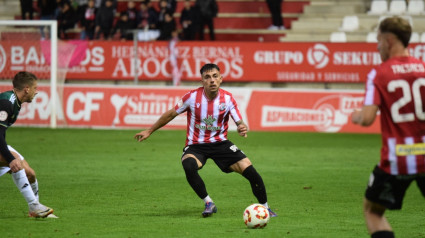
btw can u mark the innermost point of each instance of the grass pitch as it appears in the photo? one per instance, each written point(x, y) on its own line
point(102, 183)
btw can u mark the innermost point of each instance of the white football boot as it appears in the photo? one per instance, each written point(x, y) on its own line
point(39, 210)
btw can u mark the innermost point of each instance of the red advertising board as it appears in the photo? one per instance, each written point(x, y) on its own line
point(321, 111)
point(239, 61)
point(140, 107)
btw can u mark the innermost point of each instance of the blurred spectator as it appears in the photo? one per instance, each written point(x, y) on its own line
point(97, 3)
point(147, 17)
point(74, 4)
point(171, 6)
point(27, 10)
point(66, 20)
point(105, 20)
point(208, 9)
point(152, 10)
point(168, 27)
point(162, 11)
point(87, 21)
point(81, 2)
point(114, 3)
point(81, 7)
point(275, 7)
point(59, 5)
point(47, 12)
point(188, 21)
point(132, 14)
point(123, 27)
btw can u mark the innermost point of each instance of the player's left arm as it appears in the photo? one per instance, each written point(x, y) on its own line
point(366, 116)
point(237, 118)
point(242, 128)
point(165, 118)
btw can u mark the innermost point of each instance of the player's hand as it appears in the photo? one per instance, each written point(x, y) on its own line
point(243, 130)
point(141, 136)
point(355, 116)
point(15, 165)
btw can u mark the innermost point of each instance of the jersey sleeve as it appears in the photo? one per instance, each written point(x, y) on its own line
point(234, 110)
point(372, 95)
point(183, 104)
point(4, 150)
point(6, 110)
point(5, 113)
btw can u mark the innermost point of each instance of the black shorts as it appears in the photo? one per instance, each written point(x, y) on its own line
point(224, 153)
point(389, 190)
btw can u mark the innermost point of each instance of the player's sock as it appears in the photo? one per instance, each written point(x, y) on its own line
point(207, 199)
point(257, 184)
point(34, 187)
point(21, 181)
point(265, 204)
point(383, 234)
point(191, 169)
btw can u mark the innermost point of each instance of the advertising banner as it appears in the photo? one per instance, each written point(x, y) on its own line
point(321, 111)
point(140, 107)
point(239, 61)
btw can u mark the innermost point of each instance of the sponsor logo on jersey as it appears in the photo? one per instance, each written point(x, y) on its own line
point(413, 149)
point(209, 121)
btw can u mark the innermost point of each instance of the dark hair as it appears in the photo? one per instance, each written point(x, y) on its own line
point(23, 79)
point(397, 26)
point(209, 67)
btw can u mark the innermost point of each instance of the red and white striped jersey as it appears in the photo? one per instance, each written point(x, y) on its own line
point(397, 87)
point(207, 120)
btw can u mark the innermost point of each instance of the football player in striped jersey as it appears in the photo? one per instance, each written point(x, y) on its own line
point(208, 111)
point(397, 89)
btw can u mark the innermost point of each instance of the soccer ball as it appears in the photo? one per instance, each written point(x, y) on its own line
point(256, 216)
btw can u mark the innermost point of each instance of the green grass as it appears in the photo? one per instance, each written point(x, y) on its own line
point(102, 183)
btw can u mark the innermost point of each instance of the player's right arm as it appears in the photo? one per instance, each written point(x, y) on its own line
point(366, 116)
point(162, 121)
point(242, 128)
point(14, 164)
point(6, 110)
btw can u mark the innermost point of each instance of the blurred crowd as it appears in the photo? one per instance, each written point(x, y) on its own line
point(99, 19)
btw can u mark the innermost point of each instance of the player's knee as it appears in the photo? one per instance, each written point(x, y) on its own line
point(30, 174)
point(190, 164)
point(250, 172)
point(241, 165)
point(373, 208)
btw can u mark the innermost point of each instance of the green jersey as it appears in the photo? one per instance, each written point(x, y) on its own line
point(9, 108)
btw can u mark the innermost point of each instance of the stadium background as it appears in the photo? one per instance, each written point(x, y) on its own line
point(324, 54)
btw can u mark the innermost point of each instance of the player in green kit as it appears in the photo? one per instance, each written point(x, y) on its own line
point(24, 90)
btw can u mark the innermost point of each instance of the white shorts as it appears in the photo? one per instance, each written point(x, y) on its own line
point(6, 169)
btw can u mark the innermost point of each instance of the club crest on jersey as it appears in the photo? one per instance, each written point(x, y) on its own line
point(197, 105)
point(3, 116)
point(222, 106)
point(209, 121)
